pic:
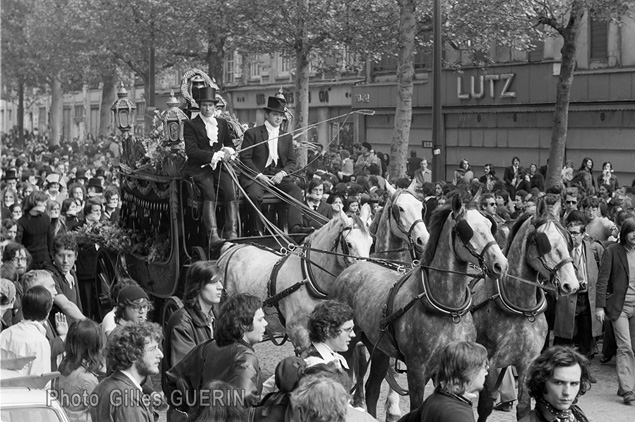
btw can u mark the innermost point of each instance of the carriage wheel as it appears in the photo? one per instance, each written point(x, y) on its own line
point(198, 254)
point(105, 279)
point(171, 305)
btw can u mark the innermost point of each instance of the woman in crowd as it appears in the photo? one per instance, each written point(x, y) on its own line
point(352, 206)
point(459, 377)
point(78, 192)
point(607, 177)
point(16, 211)
point(615, 298)
point(133, 306)
point(80, 369)
point(336, 201)
point(34, 229)
point(194, 323)
point(71, 208)
point(584, 176)
point(463, 174)
point(9, 229)
point(8, 197)
point(57, 223)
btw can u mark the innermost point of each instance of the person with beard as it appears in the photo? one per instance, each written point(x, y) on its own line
point(208, 142)
point(134, 355)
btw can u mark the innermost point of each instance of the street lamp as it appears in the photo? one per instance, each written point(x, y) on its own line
point(123, 111)
point(173, 121)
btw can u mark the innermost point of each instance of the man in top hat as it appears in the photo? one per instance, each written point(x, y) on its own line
point(11, 178)
point(207, 143)
point(268, 153)
point(95, 187)
point(80, 177)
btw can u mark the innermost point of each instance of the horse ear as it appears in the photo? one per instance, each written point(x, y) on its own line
point(457, 204)
point(477, 196)
point(365, 213)
point(390, 188)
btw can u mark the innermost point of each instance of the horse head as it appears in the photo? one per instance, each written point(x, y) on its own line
point(549, 249)
point(353, 236)
point(475, 233)
point(406, 220)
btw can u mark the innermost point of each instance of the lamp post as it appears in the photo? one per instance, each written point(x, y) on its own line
point(123, 111)
point(173, 121)
point(438, 139)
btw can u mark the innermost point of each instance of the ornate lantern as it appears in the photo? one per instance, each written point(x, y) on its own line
point(123, 111)
point(173, 121)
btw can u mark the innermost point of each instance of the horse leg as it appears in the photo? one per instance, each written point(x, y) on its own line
point(486, 396)
point(358, 364)
point(524, 400)
point(417, 378)
point(393, 412)
point(378, 370)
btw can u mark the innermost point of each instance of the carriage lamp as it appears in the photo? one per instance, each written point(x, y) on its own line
point(123, 111)
point(173, 121)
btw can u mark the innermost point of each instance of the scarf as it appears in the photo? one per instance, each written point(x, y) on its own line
point(572, 414)
point(211, 127)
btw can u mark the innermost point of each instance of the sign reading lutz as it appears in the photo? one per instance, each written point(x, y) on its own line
point(483, 85)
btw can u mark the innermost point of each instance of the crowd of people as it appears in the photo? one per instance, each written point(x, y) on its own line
point(205, 355)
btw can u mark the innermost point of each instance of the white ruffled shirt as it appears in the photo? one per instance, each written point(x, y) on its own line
point(273, 132)
point(211, 127)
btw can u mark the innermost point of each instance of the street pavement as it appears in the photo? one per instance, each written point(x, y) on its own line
point(600, 404)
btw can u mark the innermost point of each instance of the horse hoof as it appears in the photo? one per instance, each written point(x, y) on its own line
point(392, 418)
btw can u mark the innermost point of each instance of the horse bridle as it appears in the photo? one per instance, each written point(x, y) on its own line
point(394, 212)
point(553, 271)
point(459, 227)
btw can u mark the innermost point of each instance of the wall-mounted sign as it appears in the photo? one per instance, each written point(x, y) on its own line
point(362, 98)
point(426, 144)
point(492, 85)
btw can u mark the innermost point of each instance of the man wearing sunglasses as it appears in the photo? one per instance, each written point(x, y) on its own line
point(574, 322)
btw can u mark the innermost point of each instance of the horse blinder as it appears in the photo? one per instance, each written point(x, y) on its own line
point(543, 246)
point(464, 231)
point(395, 212)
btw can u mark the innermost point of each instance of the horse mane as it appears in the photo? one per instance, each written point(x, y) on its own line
point(515, 229)
point(374, 225)
point(437, 221)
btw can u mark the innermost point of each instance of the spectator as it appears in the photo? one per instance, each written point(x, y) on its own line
point(16, 211)
point(607, 177)
point(460, 375)
point(319, 400)
point(489, 177)
point(556, 379)
point(502, 199)
point(571, 197)
point(365, 159)
point(574, 321)
point(111, 209)
point(598, 228)
point(336, 201)
point(194, 323)
point(464, 174)
point(69, 213)
point(229, 357)
point(134, 355)
point(34, 229)
point(413, 164)
point(352, 206)
point(80, 368)
point(615, 298)
point(28, 337)
point(314, 194)
point(108, 323)
point(17, 254)
point(536, 180)
point(9, 229)
point(57, 223)
point(511, 175)
point(7, 300)
point(63, 273)
point(330, 331)
point(584, 177)
point(133, 306)
point(8, 197)
point(421, 175)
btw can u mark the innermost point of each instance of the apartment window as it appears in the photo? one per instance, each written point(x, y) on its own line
point(284, 64)
point(79, 112)
point(229, 69)
point(254, 68)
point(598, 40)
point(385, 64)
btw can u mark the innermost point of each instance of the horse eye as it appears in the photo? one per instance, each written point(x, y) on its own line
point(349, 244)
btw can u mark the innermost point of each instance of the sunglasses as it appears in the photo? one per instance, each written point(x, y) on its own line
point(492, 204)
point(571, 202)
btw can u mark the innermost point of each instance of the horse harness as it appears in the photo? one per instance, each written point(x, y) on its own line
point(408, 233)
point(503, 302)
point(308, 277)
point(543, 247)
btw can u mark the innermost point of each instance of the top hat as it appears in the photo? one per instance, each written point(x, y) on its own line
point(207, 93)
point(100, 172)
point(96, 183)
point(276, 104)
point(80, 174)
point(10, 174)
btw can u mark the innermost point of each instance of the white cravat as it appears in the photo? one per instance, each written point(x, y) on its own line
point(211, 127)
point(273, 144)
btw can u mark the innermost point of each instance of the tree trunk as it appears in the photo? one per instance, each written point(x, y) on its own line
point(405, 76)
point(56, 111)
point(215, 54)
point(563, 97)
point(108, 96)
point(301, 118)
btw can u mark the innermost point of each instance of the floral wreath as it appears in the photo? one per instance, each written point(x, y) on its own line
point(186, 84)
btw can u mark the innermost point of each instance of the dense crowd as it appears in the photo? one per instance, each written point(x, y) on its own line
point(205, 355)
